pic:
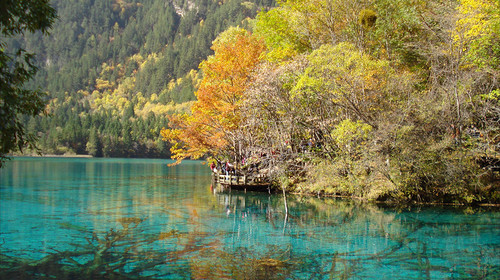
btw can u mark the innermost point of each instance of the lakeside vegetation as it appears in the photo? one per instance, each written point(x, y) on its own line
point(383, 100)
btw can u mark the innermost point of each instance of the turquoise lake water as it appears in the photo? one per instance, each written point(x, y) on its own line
point(140, 219)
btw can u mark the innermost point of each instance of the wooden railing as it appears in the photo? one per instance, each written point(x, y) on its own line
point(240, 180)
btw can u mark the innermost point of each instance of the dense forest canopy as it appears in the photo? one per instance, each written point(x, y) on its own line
point(378, 99)
point(114, 69)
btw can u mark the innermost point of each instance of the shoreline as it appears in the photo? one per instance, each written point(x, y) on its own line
point(395, 203)
point(53, 156)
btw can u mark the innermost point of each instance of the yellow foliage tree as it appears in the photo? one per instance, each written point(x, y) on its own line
point(477, 33)
point(215, 115)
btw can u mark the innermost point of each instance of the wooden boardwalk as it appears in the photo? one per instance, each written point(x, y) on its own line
point(242, 182)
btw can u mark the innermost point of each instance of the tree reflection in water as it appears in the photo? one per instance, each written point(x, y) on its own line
point(253, 236)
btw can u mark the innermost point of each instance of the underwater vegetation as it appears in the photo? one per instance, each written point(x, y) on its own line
point(132, 252)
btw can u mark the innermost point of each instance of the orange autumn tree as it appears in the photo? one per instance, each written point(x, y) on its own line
point(209, 129)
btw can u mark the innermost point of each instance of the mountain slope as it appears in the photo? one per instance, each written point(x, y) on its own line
point(115, 69)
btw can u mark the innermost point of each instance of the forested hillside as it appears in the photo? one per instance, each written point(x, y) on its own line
point(377, 99)
point(114, 69)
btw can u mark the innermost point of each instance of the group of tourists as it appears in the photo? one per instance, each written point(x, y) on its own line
point(223, 167)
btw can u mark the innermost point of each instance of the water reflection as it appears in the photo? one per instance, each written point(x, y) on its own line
point(130, 219)
point(327, 238)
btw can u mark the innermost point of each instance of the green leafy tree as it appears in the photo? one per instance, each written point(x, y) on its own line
point(93, 145)
point(17, 17)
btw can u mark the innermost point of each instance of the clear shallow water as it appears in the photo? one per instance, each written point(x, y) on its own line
point(140, 219)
